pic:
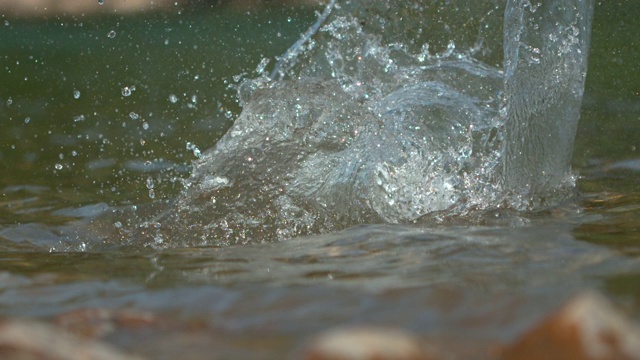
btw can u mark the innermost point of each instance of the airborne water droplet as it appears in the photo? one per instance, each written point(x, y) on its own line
point(76, 94)
point(149, 183)
point(262, 65)
point(192, 147)
point(111, 34)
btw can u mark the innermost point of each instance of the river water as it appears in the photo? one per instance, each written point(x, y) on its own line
point(108, 113)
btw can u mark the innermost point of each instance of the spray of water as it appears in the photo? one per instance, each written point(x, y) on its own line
point(396, 112)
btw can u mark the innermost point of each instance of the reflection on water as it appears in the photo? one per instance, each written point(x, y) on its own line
point(474, 281)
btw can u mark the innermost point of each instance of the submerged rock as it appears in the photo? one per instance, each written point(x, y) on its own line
point(585, 328)
point(99, 322)
point(365, 343)
point(27, 339)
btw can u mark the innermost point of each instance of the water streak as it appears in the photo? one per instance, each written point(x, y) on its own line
point(546, 48)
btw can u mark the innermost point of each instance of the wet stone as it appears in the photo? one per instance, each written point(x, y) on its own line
point(586, 328)
point(99, 322)
point(27, 339)
point(365, 343)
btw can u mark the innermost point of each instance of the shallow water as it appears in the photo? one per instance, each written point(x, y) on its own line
point(69, 155)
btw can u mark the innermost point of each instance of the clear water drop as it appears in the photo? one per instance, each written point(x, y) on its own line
point(262, 65)
point(100, 2)
point(194, 148)
point(127, 91)
point(173, 98)
point(134, 116)
point(111, 34)
point(58, 166)
point(149, 183)
point(76, 94)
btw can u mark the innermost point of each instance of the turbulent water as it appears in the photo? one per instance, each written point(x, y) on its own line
point(434, 125)
point(378, 118)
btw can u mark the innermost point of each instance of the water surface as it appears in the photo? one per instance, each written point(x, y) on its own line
point(107, 112)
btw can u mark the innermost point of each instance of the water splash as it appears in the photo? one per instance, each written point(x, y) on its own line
point(372, 117)
point(546, 48)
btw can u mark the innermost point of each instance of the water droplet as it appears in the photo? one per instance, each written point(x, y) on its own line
point(149, 183)
point(127, 91)
point(262, 65)
point(117, 224)
point(134, 116)
point(78, 118)
point(58, 166)
point(173, 98)
point(9, 101)
point(145, 125)
point(27, 120)
point(100, 2)
point(76, 94)
point(192, 147)
point(111, 34)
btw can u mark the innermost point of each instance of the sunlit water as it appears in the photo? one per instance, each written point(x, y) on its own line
point(90, 126)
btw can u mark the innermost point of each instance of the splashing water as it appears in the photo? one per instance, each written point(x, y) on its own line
point(381, 113)
point(545, 70)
